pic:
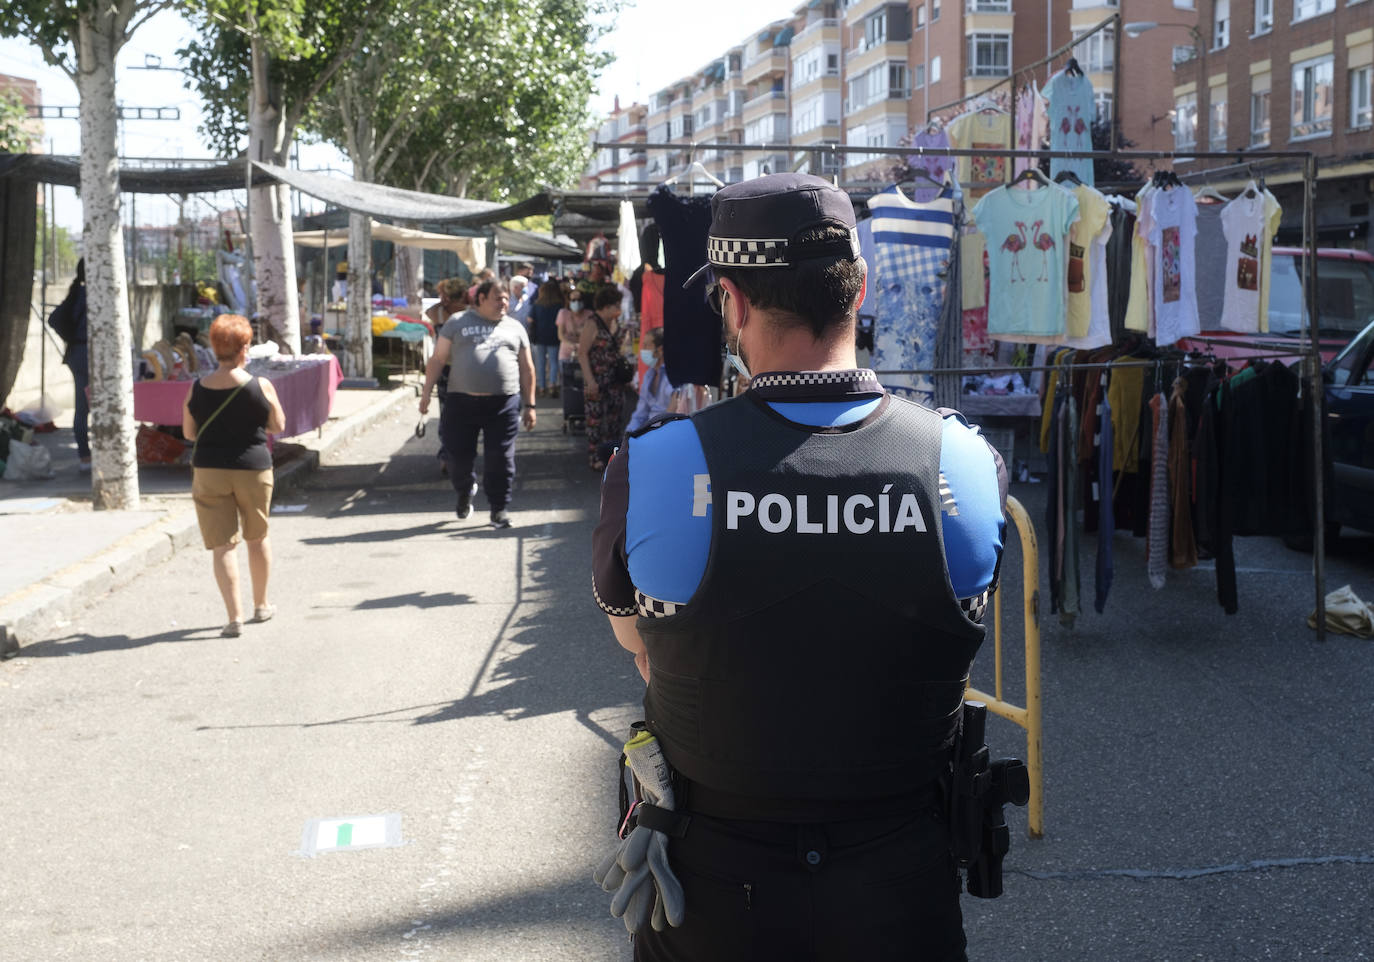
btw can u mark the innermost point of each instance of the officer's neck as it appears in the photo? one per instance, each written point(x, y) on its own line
point(794, 349)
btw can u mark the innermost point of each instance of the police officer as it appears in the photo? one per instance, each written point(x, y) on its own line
point(800, 573)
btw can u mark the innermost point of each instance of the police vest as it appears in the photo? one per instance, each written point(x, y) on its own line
point(824, 655)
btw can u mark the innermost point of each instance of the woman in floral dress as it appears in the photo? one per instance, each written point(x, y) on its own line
point(600, 351)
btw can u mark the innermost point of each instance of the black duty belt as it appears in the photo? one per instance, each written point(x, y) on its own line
point(703, 800)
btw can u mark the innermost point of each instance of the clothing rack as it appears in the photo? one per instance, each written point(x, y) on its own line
point(1312, 362)
point(1084, 366)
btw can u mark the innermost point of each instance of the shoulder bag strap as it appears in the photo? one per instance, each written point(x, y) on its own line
point(200, 428)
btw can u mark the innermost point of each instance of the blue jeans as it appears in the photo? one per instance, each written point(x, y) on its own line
point(545, 364)
point(78, 360)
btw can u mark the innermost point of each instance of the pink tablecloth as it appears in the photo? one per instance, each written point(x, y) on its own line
point(306, 393)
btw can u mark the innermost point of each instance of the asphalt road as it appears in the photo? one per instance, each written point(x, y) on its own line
point(159, 781)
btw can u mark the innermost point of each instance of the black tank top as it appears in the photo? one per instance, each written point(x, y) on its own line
point(236, 438)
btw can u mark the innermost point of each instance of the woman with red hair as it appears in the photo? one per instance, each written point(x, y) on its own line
point(228, 415)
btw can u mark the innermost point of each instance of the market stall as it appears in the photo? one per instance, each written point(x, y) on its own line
point(305, 385)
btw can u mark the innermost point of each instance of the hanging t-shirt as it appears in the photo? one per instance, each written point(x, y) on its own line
point(1119, 251)
point(988, 128)
point(1027, 244)
point(869, 254)
point(1138, 307)
point(1099, 329)
point(1071, 120)
point(1032, 123)
point(691, 330)
point(912, 244)
point(1093, 212)
point(935, 163)
point(1242, 223)
point(1173, 230)
point(1273, 216)
point(1209, 263)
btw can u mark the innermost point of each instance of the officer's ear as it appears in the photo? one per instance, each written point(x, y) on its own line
point(734, 301)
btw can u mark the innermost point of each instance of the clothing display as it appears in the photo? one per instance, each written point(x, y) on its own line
point(1026, 233)
point(1242, 224)
point(691, 330)
point(928, 143)
point(913, 246)
point(1209, 264)
point(1032, 123)
point(1173, 230)
point(1071, 115)
point(1086, 322)
point(988, 128)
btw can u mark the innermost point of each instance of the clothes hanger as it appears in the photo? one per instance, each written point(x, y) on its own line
point(1207, 190)
point(1064, 175)
point(1032, 173)
point(1072, 68)
point(691, 171)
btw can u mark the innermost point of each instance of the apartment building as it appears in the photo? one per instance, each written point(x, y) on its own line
point(1287, 75)
point(28, 93)
point(621, 166)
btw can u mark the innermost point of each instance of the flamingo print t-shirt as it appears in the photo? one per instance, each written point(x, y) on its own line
point(1027, 245)
point(1071, 121)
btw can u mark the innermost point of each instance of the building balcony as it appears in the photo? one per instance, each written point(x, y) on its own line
point(762, 108)
point(815, 32)
point(864, 56)
point(890, 107)
point(862, 9)
point(828, 132)
point(772, 62)
point(823, 83)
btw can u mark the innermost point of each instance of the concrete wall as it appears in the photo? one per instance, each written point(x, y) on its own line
point(152, 309)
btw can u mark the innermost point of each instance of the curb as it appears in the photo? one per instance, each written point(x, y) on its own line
point(49, 603)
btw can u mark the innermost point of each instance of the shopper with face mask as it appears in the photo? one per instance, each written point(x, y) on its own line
point(655, 390)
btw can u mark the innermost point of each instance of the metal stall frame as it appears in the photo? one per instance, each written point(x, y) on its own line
point(1311, 359)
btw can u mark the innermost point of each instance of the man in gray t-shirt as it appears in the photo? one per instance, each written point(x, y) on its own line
point(491, 370)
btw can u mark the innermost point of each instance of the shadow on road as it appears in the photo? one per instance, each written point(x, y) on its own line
point(87, 644)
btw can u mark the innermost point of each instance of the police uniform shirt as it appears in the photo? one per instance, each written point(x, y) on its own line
point(651, 546)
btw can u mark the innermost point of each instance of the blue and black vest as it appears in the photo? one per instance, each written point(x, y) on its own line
point(824, 655)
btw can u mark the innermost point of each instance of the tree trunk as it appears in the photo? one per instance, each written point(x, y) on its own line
point(358, 341)
point(274, 253)
point(114, 461)
point(410, 263)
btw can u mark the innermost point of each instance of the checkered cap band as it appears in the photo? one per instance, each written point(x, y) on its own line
point(653, 608)
point(725, 252)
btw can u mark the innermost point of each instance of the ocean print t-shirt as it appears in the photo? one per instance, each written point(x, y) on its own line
point(1027, 246)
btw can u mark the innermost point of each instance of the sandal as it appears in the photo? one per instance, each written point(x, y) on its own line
point(232, 630)
point(263, 613)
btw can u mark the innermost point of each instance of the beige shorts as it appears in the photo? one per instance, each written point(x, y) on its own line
point(223, 496)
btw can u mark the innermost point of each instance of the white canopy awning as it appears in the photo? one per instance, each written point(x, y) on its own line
point(472, 251)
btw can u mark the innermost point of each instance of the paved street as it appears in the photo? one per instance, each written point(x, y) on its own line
point(159, 780)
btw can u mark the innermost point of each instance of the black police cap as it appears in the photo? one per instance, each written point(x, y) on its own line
point(757, 223)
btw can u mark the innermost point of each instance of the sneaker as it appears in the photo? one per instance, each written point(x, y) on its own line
point(500, 518)
point(83, 466)
point(263, 613)
point(232, 630)
point(464, 509)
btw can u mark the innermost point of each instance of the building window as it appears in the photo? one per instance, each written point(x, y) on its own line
point(1221, 24)
point(1094, 54)
point(935, 65)
point(1264, 16)
point(1259, 113)
point(875, 29)
point(1312, 98)
point(897, 88)
point(1306, 9)
point(1185, 121)
point(988, 6)
point(920, 16)
point(832, 63)
point(989, 54)
point(1216, 124)
point(1361, 113)
point(1183, 53)
point(1102, 106)
point(918, 76)
point(1184, 4)
point(934, 10)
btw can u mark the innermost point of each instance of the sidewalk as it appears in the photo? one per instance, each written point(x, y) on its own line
point(61, 555)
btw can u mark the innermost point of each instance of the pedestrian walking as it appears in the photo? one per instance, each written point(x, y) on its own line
point(544, 335)
point(810, 562)
point(606, 374)
point(491, 372)
point(228, 414)
point(655, 390)
point(453, 299)
point(69, 321)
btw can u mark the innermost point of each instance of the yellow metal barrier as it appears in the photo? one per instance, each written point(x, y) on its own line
point(1029, 716)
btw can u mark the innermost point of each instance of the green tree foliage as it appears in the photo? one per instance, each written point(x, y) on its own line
point(62, 247)
point(15, 135)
